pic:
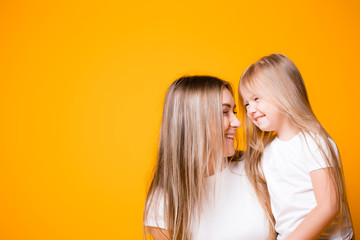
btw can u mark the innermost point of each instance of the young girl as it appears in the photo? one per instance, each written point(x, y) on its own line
point(288, 146)
point(199, 190)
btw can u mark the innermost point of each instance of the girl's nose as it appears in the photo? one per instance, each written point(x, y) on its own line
point(251, 108)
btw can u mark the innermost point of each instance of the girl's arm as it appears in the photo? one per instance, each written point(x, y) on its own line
point(325, 211)
point(158, 233)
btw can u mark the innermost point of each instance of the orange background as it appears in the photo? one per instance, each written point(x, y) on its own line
point(83, 83)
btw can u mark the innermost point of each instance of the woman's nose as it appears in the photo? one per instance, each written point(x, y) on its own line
point(235, 122)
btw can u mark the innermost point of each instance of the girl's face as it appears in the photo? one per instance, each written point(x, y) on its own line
point(266, 115)
point(231, 123)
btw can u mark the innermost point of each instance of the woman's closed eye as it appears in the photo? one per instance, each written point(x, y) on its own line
point(226, 112)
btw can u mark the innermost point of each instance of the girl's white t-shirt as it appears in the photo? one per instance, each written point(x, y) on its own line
point(287, 166)
point(231, 209)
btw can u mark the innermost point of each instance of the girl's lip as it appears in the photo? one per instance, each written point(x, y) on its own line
point(258, 117)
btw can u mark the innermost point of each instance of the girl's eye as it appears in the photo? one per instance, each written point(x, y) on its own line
point(225, 112)
point(257, 99)
point(235, 112)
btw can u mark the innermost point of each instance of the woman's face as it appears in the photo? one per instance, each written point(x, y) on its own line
point(231, 123)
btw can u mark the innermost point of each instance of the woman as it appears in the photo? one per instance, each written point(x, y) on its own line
point(200, 189)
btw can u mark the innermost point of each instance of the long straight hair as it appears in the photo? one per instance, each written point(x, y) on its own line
point(283, 85)
point(191, 146)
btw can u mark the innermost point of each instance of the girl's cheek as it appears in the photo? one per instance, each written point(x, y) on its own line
point(248, 115)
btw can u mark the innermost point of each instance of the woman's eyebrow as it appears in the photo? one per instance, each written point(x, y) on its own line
point(228, 105)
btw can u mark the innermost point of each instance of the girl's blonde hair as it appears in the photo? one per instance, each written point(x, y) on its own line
point(190, 147)
point(283, 85)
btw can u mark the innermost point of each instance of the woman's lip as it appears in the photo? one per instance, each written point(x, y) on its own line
point(230, 133)
point(231, 140)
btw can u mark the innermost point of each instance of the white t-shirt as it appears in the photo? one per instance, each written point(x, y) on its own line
point(231, 212)
point(287, 166)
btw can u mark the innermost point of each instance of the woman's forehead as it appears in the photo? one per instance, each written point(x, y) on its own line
point(227, 97)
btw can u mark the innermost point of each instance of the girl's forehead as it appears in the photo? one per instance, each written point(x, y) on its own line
point(250, 89)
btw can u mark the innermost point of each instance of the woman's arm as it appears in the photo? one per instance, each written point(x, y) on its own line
point(325, 211)
point(158, 233)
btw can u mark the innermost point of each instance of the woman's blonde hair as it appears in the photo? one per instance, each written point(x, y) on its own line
point(190, 147)
point(282, 84)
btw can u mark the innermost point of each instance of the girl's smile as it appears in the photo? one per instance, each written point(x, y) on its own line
point(266, 115)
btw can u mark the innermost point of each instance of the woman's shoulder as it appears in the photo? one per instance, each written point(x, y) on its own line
point(154, 217)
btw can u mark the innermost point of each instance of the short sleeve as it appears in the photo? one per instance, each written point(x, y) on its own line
point(155, 216)
point(314, 158)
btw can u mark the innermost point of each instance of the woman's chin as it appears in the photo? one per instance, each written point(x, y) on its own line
point(230, 152)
